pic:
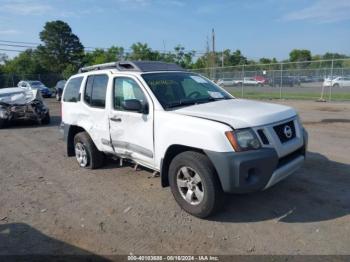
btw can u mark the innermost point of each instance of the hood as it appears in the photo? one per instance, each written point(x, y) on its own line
point(239, 113)
point(18, 96)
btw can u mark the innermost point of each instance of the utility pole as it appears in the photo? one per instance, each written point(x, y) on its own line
point(208, 52)
point(222, 58)
point(164, 47)
point(213, 46)
point(213, 39)
point(213, 52)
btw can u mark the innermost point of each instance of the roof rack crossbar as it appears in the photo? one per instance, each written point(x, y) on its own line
point(139, 66)
point(98, 67)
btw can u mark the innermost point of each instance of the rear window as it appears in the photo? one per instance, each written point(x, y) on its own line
point(72, 89)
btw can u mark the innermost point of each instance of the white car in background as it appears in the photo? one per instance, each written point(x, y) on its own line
point(249, 81)
point(340, 81)
point(226, 82)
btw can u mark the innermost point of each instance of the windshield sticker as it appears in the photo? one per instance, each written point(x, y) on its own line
point(198, 79)
point(215, 94)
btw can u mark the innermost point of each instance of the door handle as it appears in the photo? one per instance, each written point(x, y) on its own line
point(116, 119)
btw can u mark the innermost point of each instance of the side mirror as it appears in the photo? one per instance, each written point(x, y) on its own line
point(134, 105)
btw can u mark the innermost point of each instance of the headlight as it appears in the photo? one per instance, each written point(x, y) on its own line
point(243, 140)
point(3, 112)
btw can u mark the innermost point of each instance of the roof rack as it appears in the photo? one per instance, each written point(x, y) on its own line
point(138, 66)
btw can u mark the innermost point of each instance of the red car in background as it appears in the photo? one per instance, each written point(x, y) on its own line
point(261, 80)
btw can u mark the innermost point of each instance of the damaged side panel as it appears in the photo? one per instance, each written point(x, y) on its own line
point(18, 103)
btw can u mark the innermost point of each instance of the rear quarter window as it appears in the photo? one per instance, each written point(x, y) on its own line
point(95, 91)
point(72, 90)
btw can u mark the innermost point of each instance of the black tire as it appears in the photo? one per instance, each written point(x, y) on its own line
point(336, 85)
point(94, 156)
point(46, 120)
point(210, 184)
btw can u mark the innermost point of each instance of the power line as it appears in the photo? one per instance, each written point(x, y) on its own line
point(17, 42)
point(12, 50)
point(15, 45)
point(33, 45)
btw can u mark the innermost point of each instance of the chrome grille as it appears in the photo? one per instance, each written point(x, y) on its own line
point(285, 131)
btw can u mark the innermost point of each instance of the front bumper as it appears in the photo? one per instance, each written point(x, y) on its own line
point(252, 171)
point(31, 111)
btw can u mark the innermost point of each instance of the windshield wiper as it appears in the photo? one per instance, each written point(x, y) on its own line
point(194, 102)
point(181, 103)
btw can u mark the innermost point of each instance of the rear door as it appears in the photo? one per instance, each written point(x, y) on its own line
point(131, 132)
point(95, 116)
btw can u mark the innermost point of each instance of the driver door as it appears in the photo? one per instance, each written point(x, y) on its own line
point(131, 132)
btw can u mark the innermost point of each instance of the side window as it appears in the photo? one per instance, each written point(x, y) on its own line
point(95, 90)
point(71, 93)
point(88, 90)
point(124, 89)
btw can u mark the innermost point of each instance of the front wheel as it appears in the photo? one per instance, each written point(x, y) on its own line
point(194, 184)
point(86, 153)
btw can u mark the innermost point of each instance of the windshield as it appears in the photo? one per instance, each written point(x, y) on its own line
point(36, 84)
point(182, 89)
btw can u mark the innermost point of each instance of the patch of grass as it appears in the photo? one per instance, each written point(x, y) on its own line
point(296, 96)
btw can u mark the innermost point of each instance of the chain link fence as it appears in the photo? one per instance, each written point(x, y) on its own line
point(11, 80)
point(313, 80)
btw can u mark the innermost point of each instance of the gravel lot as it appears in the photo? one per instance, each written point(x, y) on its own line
point(48, 205)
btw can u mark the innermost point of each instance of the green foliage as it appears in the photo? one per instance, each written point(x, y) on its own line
point(299, 55)
point(143, 52)
point(100, 56)
point(26, 63)
point(61, 47)
point(3, 58)
point(69, 71)
point(182, 57)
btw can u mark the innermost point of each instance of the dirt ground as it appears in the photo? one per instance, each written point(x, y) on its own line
point(48, 205)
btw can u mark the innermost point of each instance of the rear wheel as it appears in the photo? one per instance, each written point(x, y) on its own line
point(194, 184)
point(336, 85)
point(86, 153)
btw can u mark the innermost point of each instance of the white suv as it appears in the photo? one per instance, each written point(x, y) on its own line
point(203, 141)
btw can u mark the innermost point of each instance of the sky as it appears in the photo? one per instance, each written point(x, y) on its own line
point(261, 28)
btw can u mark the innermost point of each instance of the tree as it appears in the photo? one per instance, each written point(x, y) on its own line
point(236, 58)
point(143, 52)
point(61, 47)
point(329, 56)
point(3, 58)
point(300, 55)
point(264, 60)
point(26, 63)
point(182, 57)
point(100, 56)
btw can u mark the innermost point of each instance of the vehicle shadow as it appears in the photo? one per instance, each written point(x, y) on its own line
point(19, 239)
point(55, 121)
point(318, 192)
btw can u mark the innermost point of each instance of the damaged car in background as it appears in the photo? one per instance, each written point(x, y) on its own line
point(20, 104)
